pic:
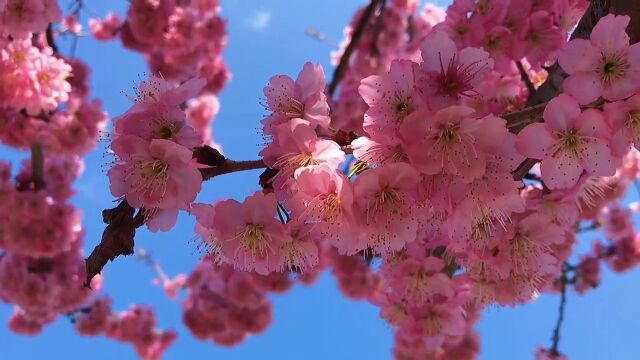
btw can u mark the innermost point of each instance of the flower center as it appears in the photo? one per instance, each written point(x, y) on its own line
point(613, 68)
point(455, 78)
point(402, 108)
point(331, 207)
point(254, 240)
point(156, 168)
point(633, 121)
point(293, 109)
point(571, 142)
point(448, 134)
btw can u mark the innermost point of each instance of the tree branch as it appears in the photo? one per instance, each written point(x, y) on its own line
point(230, 166)
point(358, 31)
point(525, 77)
point(37, 166)
point(51, 39)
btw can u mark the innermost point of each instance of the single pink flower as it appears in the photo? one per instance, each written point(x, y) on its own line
point(324, 199)
point(624, 119)
point(159, 174)
point(419, 281)
point(449, 74)
point(247, 235)
point(295, 145)
point(603, 66)
point(157, 121)
point(391, 97)
point(452, 141)
point(541, 38)
point(303, 98)
point(387, 209)
point(568, 142)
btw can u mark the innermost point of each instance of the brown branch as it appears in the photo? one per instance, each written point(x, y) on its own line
point(358, 31)
point(117, 238)
point(517, 120)
point(51, 39)
point(523, 169)
point(230, 166)
point(37, 166)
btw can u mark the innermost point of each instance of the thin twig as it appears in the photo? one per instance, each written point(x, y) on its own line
point(311, 32)
point(358, 31)
point(525, 78)
point(145, 256)
point(563, 302)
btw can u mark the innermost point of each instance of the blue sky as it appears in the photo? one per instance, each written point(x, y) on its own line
point(266, 38)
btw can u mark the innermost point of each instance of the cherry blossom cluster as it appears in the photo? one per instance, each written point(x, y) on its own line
point(225, 306)
point(511, 30)
point(397, 32)
point(431, 187)
point(136, 326)
point(45, 106)
point(42, 269)
point(180, 39)
point(19, 18)
point(153, 144)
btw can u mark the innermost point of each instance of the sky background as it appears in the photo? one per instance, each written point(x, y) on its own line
point(267, 37)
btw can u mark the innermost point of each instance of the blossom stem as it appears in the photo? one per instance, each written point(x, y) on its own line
point(37, 166)
point(358, 31)
point(145, 256)
point(230, 166)
point(563, 302)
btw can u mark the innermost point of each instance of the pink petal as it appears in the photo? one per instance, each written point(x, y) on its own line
point(534, 141)
point(579, 55)
point(437, 50)
point(591, 123)
point(310, 80)
point(373, 89)
point(597, 160)
point(610, 34)
point(561, 171)
point(622, 88)
point(401, 76)
point(561, 112)
point(585, 87)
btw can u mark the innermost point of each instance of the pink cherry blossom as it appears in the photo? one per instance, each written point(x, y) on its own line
point(295, 145)
point(451, 141)
point(324, 199)
point(247, 235)
point(391, 97)
point(624, 119)
point(303, 98)
point(105, 29)
point(156, 174)
point(386, 206)
point(603, 66)
point(449, 74)
point(568, 143)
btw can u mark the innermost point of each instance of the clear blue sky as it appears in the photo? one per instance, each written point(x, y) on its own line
point(310, 322)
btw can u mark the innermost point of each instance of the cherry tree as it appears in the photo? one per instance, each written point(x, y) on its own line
point(447, 164)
